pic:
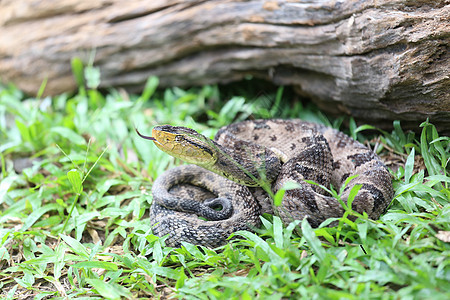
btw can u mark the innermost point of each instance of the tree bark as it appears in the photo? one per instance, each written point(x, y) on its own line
point(376, 60)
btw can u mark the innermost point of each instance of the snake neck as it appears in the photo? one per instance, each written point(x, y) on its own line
point(245, 162)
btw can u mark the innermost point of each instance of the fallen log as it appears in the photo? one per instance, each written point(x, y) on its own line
point(376, 60)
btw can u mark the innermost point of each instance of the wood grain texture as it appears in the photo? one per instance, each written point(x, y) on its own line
point(375, 60)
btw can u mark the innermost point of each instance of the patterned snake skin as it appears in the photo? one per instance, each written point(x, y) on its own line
point(201, 207)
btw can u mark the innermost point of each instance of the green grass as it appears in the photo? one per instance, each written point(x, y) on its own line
point(73, 222)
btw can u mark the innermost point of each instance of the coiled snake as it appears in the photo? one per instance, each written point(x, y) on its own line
point(221, 192)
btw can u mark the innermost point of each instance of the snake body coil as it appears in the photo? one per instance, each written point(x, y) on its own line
point(225, 187)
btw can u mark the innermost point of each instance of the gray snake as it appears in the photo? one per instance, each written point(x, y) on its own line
point(220, 192)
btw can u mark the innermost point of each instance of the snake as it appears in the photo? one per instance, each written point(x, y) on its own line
point(231, 180)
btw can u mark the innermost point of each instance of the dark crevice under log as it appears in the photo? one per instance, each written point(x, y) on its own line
point(376, 60)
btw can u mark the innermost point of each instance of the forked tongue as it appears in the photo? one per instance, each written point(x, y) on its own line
point(144, 136)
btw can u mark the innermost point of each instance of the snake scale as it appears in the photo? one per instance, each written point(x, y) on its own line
point(220, 192)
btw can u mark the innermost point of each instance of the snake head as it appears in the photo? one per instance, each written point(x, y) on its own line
point(183, 143)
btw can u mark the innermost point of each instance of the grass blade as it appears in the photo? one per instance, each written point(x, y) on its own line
point(313, 241)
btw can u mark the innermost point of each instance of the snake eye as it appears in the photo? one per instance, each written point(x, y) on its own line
point(178, 138)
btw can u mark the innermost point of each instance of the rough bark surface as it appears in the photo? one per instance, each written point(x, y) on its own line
point(375, 60)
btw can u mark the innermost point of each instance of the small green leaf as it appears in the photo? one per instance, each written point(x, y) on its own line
point(429, 160)
point(108, 290)
point(59, 258)
point(77, 70)
point(109, 266)
point(409, 166)
point(5, 185)
point(259, 242)
point(157, 252)
point(193, 250)
point(92, 76)
point(36, 214)
point(75, 180)
point(43, 259)
point(352, 128)
point(42, 88)
point(290, 185)
point(150, 88)
point(76, 246)
point(324, 233)
point(347, 181)
point(152, 269)
point(324, 269)
point(364, 127)
point(24, 132)
point(351, 196)
point(278, 198)
point(399, 132)
point(278, 232)
point(362, 230)
point(181, 279)
point(312, 240)
point(278, 98)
